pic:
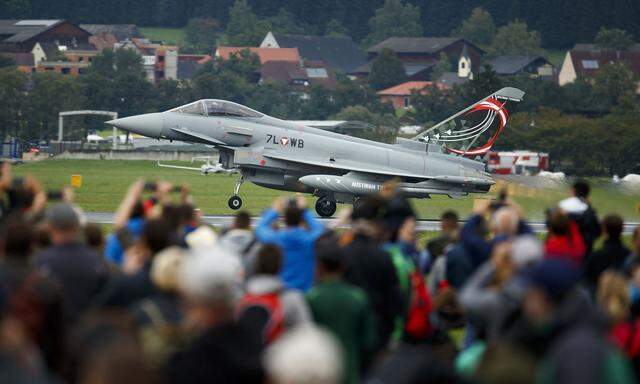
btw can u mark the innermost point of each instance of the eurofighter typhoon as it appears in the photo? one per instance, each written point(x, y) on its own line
point(336, 168)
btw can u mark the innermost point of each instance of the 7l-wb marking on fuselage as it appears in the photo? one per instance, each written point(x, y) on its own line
point(284, 141)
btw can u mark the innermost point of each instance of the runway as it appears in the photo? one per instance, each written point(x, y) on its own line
point(226, 220)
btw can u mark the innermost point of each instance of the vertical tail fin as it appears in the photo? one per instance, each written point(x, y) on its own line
point(465, 127)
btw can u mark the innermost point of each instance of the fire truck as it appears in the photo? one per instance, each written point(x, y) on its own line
point(517, 162)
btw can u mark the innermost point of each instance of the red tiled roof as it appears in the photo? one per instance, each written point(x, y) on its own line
point(265, 54)
point(405, 89)
point(587, 58)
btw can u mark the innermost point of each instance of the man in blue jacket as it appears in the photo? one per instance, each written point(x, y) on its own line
point(296, 240)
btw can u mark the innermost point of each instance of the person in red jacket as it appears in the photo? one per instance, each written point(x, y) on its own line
point(564, 239)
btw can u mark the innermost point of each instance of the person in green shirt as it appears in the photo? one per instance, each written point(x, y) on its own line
point(343, 309)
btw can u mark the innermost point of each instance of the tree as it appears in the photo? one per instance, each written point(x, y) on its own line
point(515, 38)
point(12, 94)
point(386, 70)
point(335, 28)
point(484, 83)
point(478, 28)
point(385, 126)
point(244, 28)
point(285, 22)
point(612, 81)
point(44, 103)
point(613, 39)
point(442, 66)
point(393, 19)
point(6, 62)
point(201, 34)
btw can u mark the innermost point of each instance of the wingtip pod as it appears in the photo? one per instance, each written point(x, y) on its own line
point(509, 93)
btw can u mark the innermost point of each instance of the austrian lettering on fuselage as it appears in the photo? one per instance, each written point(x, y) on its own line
point(284, 141)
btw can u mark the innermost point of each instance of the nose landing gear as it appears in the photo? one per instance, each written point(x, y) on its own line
point(235, 202)
point(325, 207)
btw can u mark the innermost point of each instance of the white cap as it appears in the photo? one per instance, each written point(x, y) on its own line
point(202, 238)
point(573, 205)
point(526, 249)
point(305, 355)
point(212, 276)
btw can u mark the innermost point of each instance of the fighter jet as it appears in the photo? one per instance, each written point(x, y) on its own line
point(283, 155)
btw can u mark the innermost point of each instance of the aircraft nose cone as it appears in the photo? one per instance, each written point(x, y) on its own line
point(150, 124)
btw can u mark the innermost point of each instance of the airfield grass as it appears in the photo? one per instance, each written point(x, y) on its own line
point(105, 182)
point(171, 36)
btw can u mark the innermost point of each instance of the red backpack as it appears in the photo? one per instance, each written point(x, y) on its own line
point(418, 324)
point(272, 304)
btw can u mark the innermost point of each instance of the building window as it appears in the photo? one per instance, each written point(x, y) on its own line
point(463, 65)
point(82, 71)
point(66, 71)
point(405, 102)
point(590, 64)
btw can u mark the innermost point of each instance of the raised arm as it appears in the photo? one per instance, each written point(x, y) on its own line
point(128, 203)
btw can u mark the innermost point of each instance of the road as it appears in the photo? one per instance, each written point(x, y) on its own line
point(225, 221)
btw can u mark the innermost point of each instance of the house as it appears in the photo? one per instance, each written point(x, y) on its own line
point(420, 54)
point(119, 31)
point(24, 35)
point(264, 54)
point(62, 67)
point(584, 60)
point(24, 62)
point(511, 65)
point(400, 95)
point(298, 75)
point(188, 65)
point(339, 53)
point(160, 61)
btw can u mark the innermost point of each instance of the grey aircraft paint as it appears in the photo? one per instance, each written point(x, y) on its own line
point(282, 155)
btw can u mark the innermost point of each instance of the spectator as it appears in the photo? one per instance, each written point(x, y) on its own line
point(128, 224)
point(94, 238)
point(634, 257)
point(562, 330)
point(159, 316)
point(438, 247)
point(135, 283)
point(611, 255)
point(369, 267)
point(492, 295)
point(306, 355)
point(296, 241)
point(579, 209)
point(615, 300)
point(239, 238)
point(79, 270)
point(222, 350)
point(267, 305)
point(563, 238)
point(17, 242)
point(344, 310)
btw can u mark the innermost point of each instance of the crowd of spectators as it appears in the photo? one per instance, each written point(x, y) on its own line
point(165, 298)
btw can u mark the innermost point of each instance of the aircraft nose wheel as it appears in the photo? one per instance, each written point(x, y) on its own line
point(235, 202)
point(325, 207)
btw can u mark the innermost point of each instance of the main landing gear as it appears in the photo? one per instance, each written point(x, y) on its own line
point(235, 202)
point(325, 207)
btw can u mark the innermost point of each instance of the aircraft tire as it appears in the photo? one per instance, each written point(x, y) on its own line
point(235, 202)
point(325, 207)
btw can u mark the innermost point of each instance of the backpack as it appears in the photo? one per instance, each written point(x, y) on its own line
point(160, 339)
point(272, 304)
point(417, 324)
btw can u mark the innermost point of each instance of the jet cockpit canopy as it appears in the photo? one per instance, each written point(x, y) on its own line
point(220, 108)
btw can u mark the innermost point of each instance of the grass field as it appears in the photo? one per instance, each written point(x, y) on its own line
point(171, 36)
point(105, 182)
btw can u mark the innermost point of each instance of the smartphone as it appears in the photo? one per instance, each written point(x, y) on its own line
point(54, 195)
